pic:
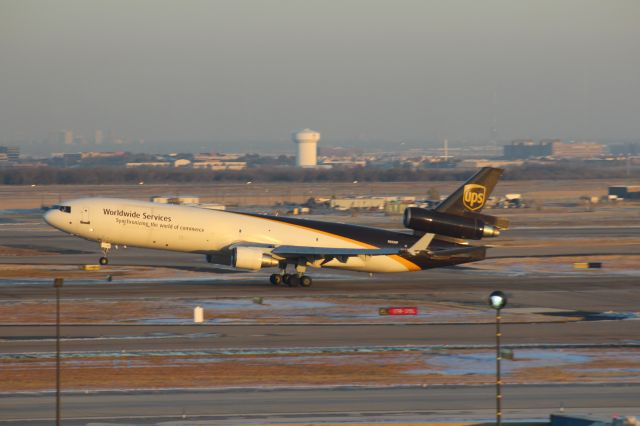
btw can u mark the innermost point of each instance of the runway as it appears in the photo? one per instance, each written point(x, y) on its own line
point(33, 339)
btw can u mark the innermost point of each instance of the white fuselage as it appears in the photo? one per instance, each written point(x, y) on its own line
point(198, 230)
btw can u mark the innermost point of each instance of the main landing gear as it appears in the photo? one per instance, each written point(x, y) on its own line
point(105, 247)
point(291, 280)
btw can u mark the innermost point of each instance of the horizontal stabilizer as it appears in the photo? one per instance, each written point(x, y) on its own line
point(499, 222)
point(422, 243)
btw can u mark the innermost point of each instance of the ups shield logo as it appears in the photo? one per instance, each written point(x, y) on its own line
point(474, 196)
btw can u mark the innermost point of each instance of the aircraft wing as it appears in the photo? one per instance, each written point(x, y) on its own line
point(330, 252)
point(458, 252)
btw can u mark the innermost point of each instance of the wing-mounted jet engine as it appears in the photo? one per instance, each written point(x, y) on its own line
point(252, 258)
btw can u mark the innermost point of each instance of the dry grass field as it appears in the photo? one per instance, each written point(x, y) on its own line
point(409, 367)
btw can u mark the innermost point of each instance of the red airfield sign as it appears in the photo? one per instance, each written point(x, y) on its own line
point(398, 311)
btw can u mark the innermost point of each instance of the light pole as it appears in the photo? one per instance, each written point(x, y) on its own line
point(57, 283)
point(498, 300)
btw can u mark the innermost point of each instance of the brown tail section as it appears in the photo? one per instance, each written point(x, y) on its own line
point(473, 194)
point(471, 197)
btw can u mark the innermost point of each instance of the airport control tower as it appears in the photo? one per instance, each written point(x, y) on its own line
point(307, 141)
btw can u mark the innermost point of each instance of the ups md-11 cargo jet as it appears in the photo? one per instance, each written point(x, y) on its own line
point(254, 241)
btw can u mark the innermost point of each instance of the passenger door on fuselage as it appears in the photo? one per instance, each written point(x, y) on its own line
point(85, 217)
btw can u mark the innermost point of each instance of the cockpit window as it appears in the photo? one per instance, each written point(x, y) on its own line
point(64, 209)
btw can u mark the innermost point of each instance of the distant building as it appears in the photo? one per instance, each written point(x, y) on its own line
point(220, 165)
point(12, 152)
point(576, 150)
point(358, 203)
point(160, 199)
point(524, 149)
point(338, 151)
point(216, 157)
point(65, 159)
point(71, 159)
point(101, 154)
point(342, 162)
point(625, 192)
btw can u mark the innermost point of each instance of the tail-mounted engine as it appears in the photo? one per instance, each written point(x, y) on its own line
point(433, 222)
point(252, 258)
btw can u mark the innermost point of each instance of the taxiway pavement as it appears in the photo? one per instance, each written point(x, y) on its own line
point(359, 405)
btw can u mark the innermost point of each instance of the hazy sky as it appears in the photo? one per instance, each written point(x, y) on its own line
point(252, 71)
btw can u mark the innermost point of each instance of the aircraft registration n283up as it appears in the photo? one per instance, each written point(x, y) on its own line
point(437, 237)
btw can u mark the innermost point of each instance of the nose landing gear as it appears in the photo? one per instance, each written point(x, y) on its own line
point(105, 247)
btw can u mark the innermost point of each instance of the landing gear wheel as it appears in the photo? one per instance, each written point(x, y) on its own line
point(294, 281)
point(276, 279)
point(286, 278)
point(104, 260)
point(305, 281)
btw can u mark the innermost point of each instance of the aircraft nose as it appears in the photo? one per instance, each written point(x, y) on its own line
point(49, 216)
